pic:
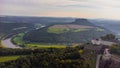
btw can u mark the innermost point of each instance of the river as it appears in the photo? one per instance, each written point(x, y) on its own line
point(8, 44)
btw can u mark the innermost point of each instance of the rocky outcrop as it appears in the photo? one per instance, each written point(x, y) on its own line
point(111, 63)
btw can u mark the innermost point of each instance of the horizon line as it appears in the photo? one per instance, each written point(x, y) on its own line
point(56, 17)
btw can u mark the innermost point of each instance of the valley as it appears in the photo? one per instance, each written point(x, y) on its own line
point(107, 24)
point(59, 33)
point(65, 43)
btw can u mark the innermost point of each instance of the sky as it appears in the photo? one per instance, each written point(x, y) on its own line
point(108, 9)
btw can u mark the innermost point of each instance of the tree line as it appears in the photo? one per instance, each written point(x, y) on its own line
point(45, 58)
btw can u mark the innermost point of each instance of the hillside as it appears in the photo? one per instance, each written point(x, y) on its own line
point(40, 20)
point(83, 22)
point(13, 28)
point(107, 24)
point(76, 32)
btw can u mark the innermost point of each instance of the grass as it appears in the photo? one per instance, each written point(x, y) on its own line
point(81, 51)
point(58, 30)
point(99, 29)
point(1, 46)
point(63, 30)
point(46, 45)
point(18, 39)
point(79, 30)
point(8, 58)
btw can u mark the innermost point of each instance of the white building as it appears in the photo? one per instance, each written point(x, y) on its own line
point(99, 42)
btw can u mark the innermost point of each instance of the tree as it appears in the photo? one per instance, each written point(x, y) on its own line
point(108, 37)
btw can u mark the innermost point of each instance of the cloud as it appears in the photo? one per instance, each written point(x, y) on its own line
point(98, 8)
point(62, 3)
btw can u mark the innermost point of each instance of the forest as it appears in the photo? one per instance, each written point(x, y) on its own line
point(115, 49)
point(42, 36)
point(48, 58)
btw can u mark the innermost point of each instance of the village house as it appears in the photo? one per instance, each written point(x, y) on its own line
point(105, 42)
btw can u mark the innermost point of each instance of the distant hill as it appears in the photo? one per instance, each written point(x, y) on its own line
point(76, 32)
point(41, 20)
point(16, 24)
point(112, 25)
point(13, 28)
point(83, 22)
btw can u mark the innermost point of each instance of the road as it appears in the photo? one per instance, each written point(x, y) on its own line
point(8, 44)
point(98, 61)
point(106, 56)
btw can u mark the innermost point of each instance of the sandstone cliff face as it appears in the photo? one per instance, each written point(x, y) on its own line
point(109, 64)
point(114, 64)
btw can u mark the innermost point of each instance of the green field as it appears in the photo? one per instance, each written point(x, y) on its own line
point(79, 30)
point(58, 30)
point(63, 30)
point(100, 29)
point(18, 39)
point(1, 46)
point(46, 45)
point(8, 58)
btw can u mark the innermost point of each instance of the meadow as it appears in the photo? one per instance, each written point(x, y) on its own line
point(63, 30)
point(45, 45)
point(18, 39)
point(8, 58)
point(67, 28)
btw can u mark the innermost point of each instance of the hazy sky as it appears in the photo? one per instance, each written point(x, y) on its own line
point(62, 8)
